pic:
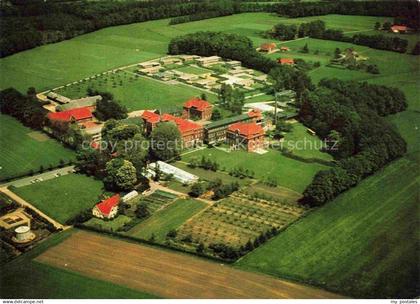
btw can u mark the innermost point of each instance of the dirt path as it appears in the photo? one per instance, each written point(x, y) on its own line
point(166, 274)
point(24, 203)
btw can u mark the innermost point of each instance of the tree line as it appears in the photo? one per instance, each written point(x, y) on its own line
point(348, 115)
point(317, 29)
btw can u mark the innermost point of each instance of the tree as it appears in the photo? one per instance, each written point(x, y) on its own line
point(216, 115)
point(171, 234)
point(203, 96)
point(305, 48)
point(416, 49)
point(142, 211)
point(196, 190)
point(372, 68)
point(377, 26)
point(386, 26)
point(337, 53)
point(165, 141)
point(108, 108)
point(121, 175)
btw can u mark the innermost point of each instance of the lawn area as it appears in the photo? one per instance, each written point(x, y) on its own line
point(194, 70)
point(288, 172)
point(25, 278)
point(23, 149)
point(301, 143)
point(63, 197)
point(137, 92)
point(363, 244)
point(112, 225)
point(171, 217)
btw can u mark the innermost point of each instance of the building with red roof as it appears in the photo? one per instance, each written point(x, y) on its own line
point(286, 61)
point(108, 208)
point(400, 28)
point(197, 108)
point(150, 120)
point(192, 133)
point(284, 49)
point(268, 47)
point(73, 115)
point(247, 136)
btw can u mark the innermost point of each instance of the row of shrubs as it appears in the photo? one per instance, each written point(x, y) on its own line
point(41, 169)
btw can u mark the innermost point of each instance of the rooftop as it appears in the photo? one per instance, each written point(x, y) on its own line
point(106, 205)
point(197, 103)
point(76, 114)
point(247, 129)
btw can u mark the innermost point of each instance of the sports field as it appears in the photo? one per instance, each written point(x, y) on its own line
point(288, 172)
point(364, 244)
point(23, 149)
point(26, 278)
point(169, 218)
point(63, 197)
point(148, 269)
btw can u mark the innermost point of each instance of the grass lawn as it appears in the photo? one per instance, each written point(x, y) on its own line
point(194, 70)
point(138, 93)
point(112, 225)
point(63, 197)
point(288, 172)
point(23, 149)
point(363, 244)
point(25, 278)
point(301, 143)
point(167, 219)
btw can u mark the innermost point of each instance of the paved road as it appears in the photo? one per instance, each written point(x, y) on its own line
point(24, 203)
point(45, 176)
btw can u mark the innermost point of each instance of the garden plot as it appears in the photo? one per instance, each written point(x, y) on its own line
point(237, 220)
point(157, 200)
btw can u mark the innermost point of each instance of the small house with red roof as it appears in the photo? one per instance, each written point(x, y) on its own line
point(284, 49)
point(197, 108)
point(247, 136)
point(400, 28)
point(108, 208)
point(286, 61)
point(192, 134)
point(150, 120)
point(267, 47)
point(82, 114)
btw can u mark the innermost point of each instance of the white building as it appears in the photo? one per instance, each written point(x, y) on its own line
point(178, 174)
point(130, 196)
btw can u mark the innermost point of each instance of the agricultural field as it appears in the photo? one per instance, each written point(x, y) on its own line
point(194, 70)
point(63, 197)
point(23, 149)
point(289, 173)
point(136, 92)
point(155, 201)
point(236, 220)
point(279, 194)
point(167, 219)
point(363, 244)
point(26, 278)
point(152, 270)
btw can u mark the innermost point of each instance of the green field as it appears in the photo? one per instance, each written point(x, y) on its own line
point(171, 217)
point(363, 244)
point(288, 172)
point(23, 149)
point(112, 225)
point(25, 278)
point(63, 197)
point(194, 70)
point(137, 93)
point(301, 143)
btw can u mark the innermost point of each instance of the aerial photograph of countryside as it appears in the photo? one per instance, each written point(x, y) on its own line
point(211, 150)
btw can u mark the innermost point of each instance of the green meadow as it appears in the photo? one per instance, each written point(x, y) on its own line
point(63, 197)
point(23, 149)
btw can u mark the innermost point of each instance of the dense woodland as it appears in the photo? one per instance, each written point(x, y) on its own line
point(27, 24)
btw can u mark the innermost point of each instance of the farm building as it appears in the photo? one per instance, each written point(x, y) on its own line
point(130, 196)
point(267, 47)
point(237, 80)
point(108, 208)
point(58, 98)
point(197, 108)
point(284, 49)
point(400, 29)
point(247, 136)
point(15, 219)
point(170, 60)
point(178, 174)
point(286, 61)
point(206, 61)
point(23, 234)
point(73, 115)
point(89, 101)
point(233, 63)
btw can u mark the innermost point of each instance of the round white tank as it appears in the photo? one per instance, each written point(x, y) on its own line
point(23, 233)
